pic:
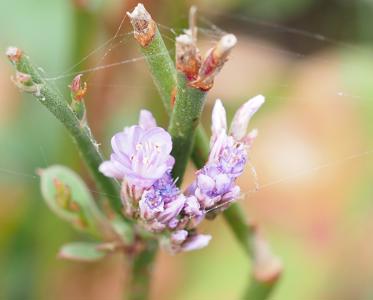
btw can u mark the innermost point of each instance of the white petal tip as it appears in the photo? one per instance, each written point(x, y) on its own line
point(259, 99)
point(185, 39)
point(228, 41)
point(139, 12)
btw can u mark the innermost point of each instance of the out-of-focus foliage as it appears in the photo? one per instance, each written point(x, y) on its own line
point(314, 154)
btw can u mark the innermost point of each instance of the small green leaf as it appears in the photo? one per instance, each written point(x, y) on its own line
point(82, 251)
point(67, 195)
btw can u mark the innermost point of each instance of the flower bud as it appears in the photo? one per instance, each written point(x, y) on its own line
point(78, 91)
point(14, 54)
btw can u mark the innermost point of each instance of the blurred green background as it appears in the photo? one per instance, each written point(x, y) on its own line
point(313, 60)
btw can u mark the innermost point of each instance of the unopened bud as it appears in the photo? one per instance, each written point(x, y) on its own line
point(23, 78)
point(14, 54)
point(78, 91)
point(143, 25)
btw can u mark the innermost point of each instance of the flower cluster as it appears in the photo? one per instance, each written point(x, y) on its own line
point(141, 159)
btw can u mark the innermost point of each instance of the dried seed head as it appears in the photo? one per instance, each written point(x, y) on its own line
point(213, 62)
point(14, 54)
point(188, 59)
point(143, 25)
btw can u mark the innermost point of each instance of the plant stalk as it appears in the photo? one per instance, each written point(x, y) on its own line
point(47, 95)
point(141, 270)
point(184, 121)
point(163, 71)
point(166, 77)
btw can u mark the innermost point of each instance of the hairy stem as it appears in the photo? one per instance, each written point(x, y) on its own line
point(47, 95)
point(141, 270)
point(184, 120)
point(161, 67)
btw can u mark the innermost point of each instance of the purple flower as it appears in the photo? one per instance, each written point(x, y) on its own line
point(161, 204)
point(240, 122)
point(182, 241)
point(196, 242)
point(141, 153)
point(215, 183)
point(141, 159)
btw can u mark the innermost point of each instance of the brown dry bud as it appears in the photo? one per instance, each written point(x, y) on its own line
point(267, 267)
point(213, 62)
point(143, 25)
point(14, 54)
point(188, 59)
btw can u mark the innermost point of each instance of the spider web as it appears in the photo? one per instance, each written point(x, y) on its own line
point(211, 32)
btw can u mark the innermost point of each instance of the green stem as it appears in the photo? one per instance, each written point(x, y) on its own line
point(258, 290)
point(244, 232)
point(201, 148)
point(164, 76)
point(161, 67)
point(54, 102)
point(239, 224)
point(184, 120)
point(141, 270)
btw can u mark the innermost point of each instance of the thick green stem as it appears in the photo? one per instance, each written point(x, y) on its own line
point(161, 67)
point(184, 121)
point(201, 148)
point(241, 228)
point(258, 290)
point(54, 102)
point(141, 269)
point(164, 75)
point(245, 233)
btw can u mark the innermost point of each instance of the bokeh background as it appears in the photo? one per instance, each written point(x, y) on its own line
point(314, 156)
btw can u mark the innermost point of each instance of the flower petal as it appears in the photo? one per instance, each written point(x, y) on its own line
point(146, 119)
point(179, 236)
point(172, 209)
point(196, 242)
point(205, 183)
point(243, 115)
point(219, 118)
point(109, 169)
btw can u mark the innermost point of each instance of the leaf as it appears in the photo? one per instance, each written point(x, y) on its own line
point(81, 251)
point(67, 195)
